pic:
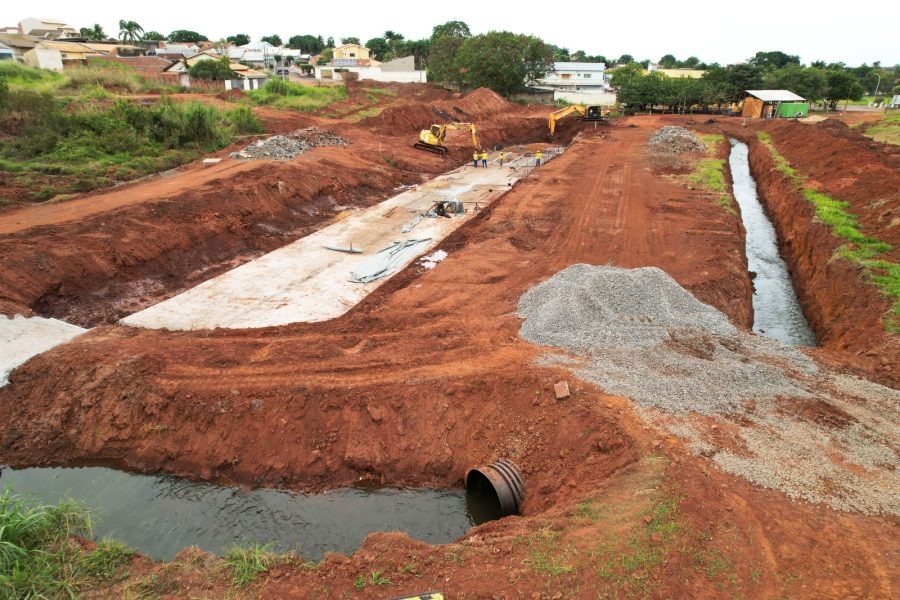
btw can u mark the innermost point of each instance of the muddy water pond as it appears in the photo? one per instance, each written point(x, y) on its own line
point(776, 309)
point(159, 515)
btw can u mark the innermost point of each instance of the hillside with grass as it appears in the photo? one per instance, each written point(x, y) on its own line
point(72, 132)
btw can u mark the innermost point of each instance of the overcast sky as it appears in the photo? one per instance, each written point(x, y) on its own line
point(727, 32)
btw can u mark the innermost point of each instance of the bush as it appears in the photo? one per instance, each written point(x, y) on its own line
point(243, 122)
point(293, 96)
point(212, 70)
point(120, 77)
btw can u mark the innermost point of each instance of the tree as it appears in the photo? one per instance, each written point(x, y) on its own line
point(378, 48)
point(690, 62)
point(625, 59)
point(736, 78)
point(330, 42)
point(450, 29)
point(442, 65)
point(668, 61)
point(349, 40)
point(212, 70)
point(560, 54)
point(503, 61)
point(774, 60)
point(326, 55)
point(154, 36)
point(130, 31)
point(309, 44)
point(239, 39)
point(809, 83)
point(186, 36)
point(842, 85)
point(93, 33)
point(275, 40)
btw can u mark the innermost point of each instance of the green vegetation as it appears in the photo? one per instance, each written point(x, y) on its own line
point(375, 578)
point(56, 143)
point(293, 96)
point(710, 173)
point(886, 131)
point(861, 250)
point(37, 557)
point(212, 70)
point(249, 561)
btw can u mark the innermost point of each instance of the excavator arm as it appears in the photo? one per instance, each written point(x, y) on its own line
point(469, 126)
point(563, 112)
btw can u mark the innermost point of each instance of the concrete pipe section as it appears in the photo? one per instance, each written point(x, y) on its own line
point(500, 484)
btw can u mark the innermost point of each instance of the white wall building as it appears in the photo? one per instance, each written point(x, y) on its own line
point(400, 70)
point(579, 83)
point(46, 28)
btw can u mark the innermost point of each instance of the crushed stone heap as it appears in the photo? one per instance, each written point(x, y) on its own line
point(283, 147)
point(675, 140)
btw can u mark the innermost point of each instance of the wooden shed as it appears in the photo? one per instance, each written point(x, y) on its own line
point(768, 104)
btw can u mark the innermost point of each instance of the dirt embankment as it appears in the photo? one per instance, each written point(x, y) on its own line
point(162, 236)
point(427, 377)
point(843, 306)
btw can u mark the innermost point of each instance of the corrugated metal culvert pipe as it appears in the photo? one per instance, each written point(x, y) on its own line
point(502, 481)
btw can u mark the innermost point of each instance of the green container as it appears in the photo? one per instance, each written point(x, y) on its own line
point(792, 109)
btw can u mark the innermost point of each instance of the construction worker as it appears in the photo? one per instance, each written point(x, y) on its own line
point(475, 159)
point(537, 158)
point(484, 159)
point(500, 158)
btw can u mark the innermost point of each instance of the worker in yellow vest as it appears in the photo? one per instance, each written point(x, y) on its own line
point(484, 159)
point(537, 158)
point(500, 158)
point(475, 159)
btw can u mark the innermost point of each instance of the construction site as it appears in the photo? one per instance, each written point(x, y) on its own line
point(429, 344)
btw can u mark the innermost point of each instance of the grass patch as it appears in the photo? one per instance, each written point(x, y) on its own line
point(39, 560)
point(860, 249)
point(886, 131)
point(246, 562)
point(293, 96)
point(710, 173)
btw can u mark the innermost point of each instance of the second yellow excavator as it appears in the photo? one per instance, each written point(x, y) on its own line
point(589, 113)
point(432, 140)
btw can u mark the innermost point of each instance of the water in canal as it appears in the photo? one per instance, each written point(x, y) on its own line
point(776, 310)
point(159, 515)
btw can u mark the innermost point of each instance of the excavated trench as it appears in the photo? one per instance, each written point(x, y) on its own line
point(160, 515)
point(776, 310)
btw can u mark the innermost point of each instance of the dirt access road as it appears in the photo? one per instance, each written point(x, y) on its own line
point(427, 377)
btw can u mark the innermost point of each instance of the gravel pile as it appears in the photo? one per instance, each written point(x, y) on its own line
point(647, 338)
point(283, 147)
point(641, 335)
point(675, 140)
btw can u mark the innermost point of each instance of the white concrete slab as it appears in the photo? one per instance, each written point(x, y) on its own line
point(306, 282)
point(22, 338)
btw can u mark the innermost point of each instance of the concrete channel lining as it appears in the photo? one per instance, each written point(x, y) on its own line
point(306, 281)
point(22, 338)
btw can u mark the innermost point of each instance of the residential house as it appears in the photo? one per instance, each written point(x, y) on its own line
point(176, 51)
point(19, 44)
point(46, 28)
point(769, 104)
point(677, 73)
point(56, 54)
point(12, 30)
point(210, 54)
point(349, 54)
point(246, 78)
point(399, 70)
point(6, 53)
point(579, 83)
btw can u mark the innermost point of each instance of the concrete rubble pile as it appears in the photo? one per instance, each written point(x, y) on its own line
point(283, 147)
point(675, 140)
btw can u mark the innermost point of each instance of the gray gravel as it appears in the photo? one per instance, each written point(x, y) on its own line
point(675, 140)
point(637, 333)
point(283, 147)
point(649, 339)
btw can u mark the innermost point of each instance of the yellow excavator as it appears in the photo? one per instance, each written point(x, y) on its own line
point(588, 113)
point(432, 140)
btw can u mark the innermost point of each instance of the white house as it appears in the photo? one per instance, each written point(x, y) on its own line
point(399, 70)
point(578, 82)
point(46, 28)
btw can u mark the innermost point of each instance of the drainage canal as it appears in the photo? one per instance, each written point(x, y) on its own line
point(159, 515)
point(776, 310)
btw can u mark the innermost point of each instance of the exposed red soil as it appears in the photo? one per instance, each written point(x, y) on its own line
point(843, 306)
point(98, 258)
point(428, 377)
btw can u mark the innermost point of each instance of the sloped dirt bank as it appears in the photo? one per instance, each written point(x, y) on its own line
point(843, 306)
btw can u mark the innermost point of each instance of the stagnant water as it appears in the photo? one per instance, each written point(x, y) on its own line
point(776, 310)
point(159, 515)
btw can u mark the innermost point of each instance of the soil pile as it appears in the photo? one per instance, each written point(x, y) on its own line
point(675, 140)
point(283, 147)
point(642, 335)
